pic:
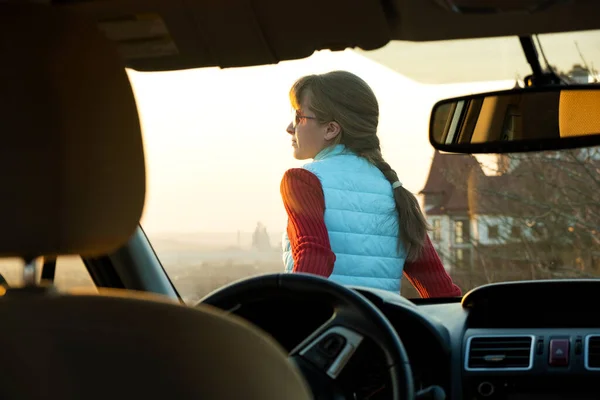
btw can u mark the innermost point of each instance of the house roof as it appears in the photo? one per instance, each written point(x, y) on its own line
point(534, 184)
point(438, 180)
point(446, 180)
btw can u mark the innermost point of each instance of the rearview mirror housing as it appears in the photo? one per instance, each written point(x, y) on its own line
point(518, 120)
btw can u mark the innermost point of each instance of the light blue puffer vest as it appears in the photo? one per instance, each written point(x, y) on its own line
point(361, 218)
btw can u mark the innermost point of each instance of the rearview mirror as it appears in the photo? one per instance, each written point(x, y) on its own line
point(518, 120)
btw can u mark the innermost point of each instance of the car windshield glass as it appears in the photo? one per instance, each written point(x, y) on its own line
point(489, 59)
point(217, 149)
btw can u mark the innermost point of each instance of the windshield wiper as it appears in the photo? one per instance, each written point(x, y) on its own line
point(539, 76)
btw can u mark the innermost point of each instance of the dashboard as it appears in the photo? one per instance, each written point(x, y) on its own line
point(511, 341)
point(508, 341)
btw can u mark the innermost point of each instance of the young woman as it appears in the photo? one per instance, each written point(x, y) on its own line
point(349, 217)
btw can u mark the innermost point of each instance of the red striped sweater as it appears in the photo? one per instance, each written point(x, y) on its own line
point(305, 205)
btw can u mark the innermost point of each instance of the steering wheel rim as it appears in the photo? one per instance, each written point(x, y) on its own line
point(354, 318)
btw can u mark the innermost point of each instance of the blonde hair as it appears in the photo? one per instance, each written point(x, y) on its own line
point(345, 98)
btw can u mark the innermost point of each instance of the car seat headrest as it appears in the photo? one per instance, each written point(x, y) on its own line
point(71, 160)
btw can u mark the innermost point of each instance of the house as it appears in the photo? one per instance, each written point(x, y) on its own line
point(530, 209)
point(446, 206)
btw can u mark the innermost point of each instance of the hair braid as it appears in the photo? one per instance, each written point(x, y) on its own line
point(412, 223)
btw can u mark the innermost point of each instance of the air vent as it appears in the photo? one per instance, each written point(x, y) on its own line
point(592, 352)
point(499, 353)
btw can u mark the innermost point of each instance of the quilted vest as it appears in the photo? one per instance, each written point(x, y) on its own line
point(361, 218)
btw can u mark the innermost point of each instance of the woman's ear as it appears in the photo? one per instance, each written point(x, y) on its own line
point(332, 130)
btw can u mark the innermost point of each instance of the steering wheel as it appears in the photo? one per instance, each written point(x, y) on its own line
point(323, 355)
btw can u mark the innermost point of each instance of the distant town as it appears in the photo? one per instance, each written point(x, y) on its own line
point(199, 263)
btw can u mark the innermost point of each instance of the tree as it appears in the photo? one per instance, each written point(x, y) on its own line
point(576, 74)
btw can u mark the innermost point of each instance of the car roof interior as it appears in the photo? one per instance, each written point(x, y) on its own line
point(236, 33)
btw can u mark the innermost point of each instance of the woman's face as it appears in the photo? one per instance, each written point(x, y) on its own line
point(308, 136)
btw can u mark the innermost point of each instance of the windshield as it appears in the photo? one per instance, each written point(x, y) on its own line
point(217, 149)
point(484, 59)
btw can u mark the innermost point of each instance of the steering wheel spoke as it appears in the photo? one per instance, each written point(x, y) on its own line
point(327, 351)
point(330, 347)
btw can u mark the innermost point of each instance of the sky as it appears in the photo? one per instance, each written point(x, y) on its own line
point(484, 59)
point(215, 139)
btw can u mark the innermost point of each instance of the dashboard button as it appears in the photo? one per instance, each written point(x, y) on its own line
point(332, 345)
point(325, 352)
point(559, 352)
point(485, 389)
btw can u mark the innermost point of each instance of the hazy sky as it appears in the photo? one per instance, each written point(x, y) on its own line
point(484, 59)
point(216, 145)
